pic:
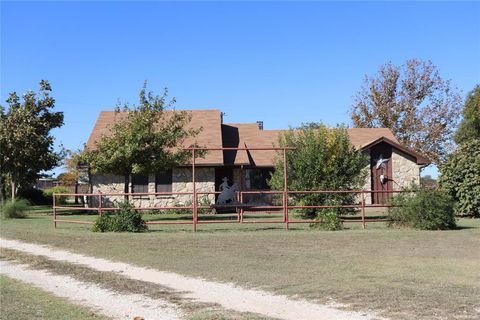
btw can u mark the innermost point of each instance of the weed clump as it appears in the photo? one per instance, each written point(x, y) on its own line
point(15, 209)
point(126, 219)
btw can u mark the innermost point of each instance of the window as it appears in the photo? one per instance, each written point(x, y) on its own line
point(256, 179)
point(139, 184)
point(163, 181)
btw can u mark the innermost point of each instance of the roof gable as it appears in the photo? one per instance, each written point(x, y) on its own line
point(421, 160)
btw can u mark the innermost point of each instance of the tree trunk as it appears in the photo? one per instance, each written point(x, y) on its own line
point(2, 190)
point(126, 186)
point(76, 191)
point(14, 189)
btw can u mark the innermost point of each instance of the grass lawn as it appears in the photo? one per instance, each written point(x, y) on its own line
point(405, 273)
point(21, 301)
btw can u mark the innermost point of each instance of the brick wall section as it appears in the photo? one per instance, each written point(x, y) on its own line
point(181, 182)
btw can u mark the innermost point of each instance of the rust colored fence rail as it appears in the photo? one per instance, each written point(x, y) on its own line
point(283, 209)
point(241, 208)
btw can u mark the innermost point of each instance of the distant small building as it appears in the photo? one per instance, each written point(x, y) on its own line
point(400, 166)
point(46, 183)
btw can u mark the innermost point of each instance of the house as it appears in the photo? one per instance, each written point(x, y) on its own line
point(45, 183)
point(399, 167)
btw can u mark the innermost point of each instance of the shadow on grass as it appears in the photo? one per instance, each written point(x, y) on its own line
point(359, 218)
point(76, 213)
point(463, 228)
point(217, 228)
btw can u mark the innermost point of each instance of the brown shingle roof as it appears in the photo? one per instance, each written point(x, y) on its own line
point(250, 136)
point(217, 135)
point(361, 137)
point(210, 136)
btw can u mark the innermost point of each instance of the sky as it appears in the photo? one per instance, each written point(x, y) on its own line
point(284, 63)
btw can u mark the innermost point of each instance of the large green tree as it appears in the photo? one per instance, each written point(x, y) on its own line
point(415, 102)
point(144, 139)
point(323, 159)
point(26, 143)
point(460, 177)
point(460, 174)
point(469, 128)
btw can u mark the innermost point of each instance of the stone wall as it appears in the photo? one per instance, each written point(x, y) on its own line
point(404, 169)
point(368, 180)
point(181, 182)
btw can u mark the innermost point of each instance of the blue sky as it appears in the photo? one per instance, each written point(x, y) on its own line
point(284, 63)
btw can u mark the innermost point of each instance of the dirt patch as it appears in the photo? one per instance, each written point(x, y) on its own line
point(106, 302)
point(120, 284)
point(227, 295)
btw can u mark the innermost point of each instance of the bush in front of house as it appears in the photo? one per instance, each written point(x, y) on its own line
point(15, 209)
point(126, 219)
point(460, 177)
point(329, 220)
point(58, 189)
point(324, 159)
point(424, 209)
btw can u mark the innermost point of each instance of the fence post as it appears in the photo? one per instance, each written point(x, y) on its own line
point(54, 211)
point(99, 203)
point(285, 191)
point(241, 209)
point(195, 211)
point(363, 209)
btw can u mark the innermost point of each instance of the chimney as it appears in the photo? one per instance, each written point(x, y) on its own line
point(260, 125)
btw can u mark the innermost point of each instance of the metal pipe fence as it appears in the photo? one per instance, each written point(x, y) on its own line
point(241, 209)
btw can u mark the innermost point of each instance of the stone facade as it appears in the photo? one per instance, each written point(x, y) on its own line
point(368, 180)
point(404, 169)
point(181, 182)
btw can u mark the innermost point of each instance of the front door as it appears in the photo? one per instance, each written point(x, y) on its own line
point(381, 172)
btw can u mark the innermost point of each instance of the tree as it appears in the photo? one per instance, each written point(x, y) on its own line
point(470, 126)
point(25, 137)
point(75, 172)
point(420, 107)
point(460, 177)
point(428, 182)
point(144, 139)
point(323, 159)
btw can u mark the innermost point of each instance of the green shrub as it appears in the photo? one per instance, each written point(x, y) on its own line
point(15, 209)
point(58, 189)
point(460, 177)
point(324, 159)
point(330, 220)
point(126, 219)
point(425, 210)
point(103, 223)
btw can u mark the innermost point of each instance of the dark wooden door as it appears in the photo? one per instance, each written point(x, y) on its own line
point(381, 152)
